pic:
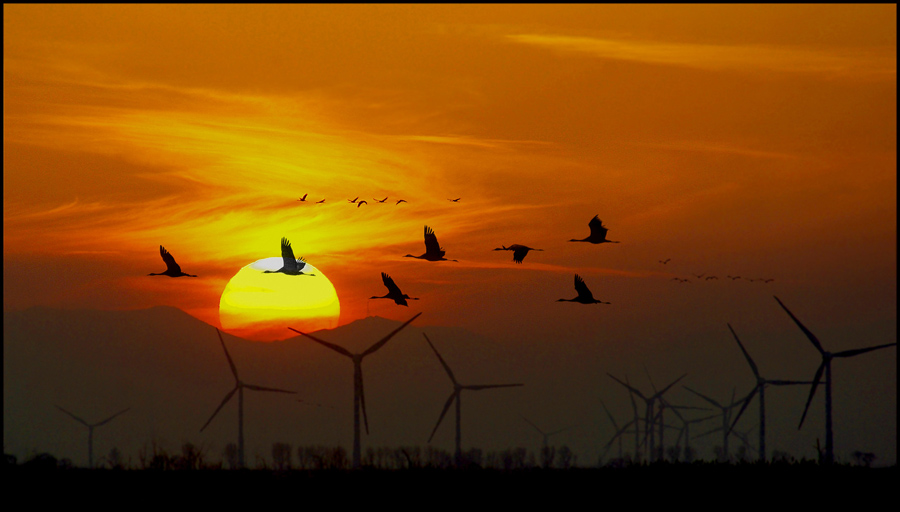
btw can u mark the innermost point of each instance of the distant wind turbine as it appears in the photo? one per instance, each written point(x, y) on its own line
point(546, 436)
point(618, 434)
point(725, 412)
point(760, 388)
point(359, 397)
point(649, 415)
point(826, 368)
point(457, 391)
point(239, 389)
point(90, 427)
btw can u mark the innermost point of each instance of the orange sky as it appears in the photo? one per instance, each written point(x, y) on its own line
point(753, 140)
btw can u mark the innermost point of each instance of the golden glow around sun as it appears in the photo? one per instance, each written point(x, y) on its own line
point(260, 306)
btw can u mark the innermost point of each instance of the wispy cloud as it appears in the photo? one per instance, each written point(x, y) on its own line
point(877, 63)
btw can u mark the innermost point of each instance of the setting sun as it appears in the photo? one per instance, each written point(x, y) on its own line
point(260, 306)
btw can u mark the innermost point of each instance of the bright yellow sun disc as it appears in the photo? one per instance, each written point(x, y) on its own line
point(261, 306)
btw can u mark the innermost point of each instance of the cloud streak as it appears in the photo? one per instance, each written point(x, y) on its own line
point(868, 63)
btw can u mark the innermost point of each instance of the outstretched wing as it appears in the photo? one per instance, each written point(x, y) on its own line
point(391, 286)
point(519, 253)
point(597, 228)
point(287, 254)
point(171, 266)
point(582, 288)
point(431, 243)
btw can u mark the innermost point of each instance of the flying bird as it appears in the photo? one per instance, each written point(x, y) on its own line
point(401, 201)
point(598, 232)
point(353, 200)
point(584, 295)
point(394, 292)
point(699, 276)
point(733, 277)
point(519, 251)
point(383, 200)
point(433, 250)
point(665, 261)
point(712, 277)
point(172, 268)
point(303, 198)
point(767, 281)
point(454, 200)
point(292, 267)
point(320, 202)
point(361, 203)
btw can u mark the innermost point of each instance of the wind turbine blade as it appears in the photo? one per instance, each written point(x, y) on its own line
point(230, 362)
point(332, 346)
point(107, 420)
point(746, 403)
point(489, 386)
point(560, 430)
point(811, 336)
point(787, 382)
point(384, 340)
point(615, 425)
point(746, 354)
point(649, 378)
point(441, 359)
point(713, 431)
point(633, 390)
point(701, 395)
point(812, 392)
point(533, 425)
point(669, 386)
point(858, 351)
point(225, 401)
point(79, 420)
point(443, 413)
point(260, 388)
point(362, 399)
point(672, 407)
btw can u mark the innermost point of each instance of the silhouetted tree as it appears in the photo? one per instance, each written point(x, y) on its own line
point(566, 457)
point(231, 455)
point(282, 456)
point(548, 455)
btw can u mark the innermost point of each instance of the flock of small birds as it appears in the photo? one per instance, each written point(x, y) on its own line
point(703, 277)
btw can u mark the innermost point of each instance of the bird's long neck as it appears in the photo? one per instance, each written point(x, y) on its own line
point(574, 240)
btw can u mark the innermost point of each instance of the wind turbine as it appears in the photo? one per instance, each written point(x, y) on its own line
point(239, 389)
point(649, 416)
point(90, 427)
point(546, 435)
point(457, 391)
point(760, 388)
point(359, 397)
point(725, 411)
point(619, 432)
point(826, 367)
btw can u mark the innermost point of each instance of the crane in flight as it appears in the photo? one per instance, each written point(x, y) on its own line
point(394, 292)
point(303, 198)
point(519, 251)
point(400, 201)
point(352, 200)
point(584, 295)
point(433, 250)
point(598, 233)
point(454, 200)
point(292, 266)
point(172, 268)
point(376, 200)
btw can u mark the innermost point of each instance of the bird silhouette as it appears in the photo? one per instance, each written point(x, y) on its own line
point(584, 295)
point(394, 292)
point(361, 203)
point(598, 233)
point(711, 277)
point(454, 200)
point(383, 200)
point(519, 251)
point(172, 268)
point(733, 277)
point(767, 281)
point(303, 198)
point(665, 261)
point(353, 200)
point(433, 250)
point(292, 267)
point(401, 201)
point(320, 202)
point(699, 276)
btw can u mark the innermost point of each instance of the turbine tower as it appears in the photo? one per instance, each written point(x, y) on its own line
point(826, 367)
point(648, 415)
point(760, 388)
point(618, 434)
point(725, 411)
point(545, 451)
point(457, 390)
point(90, 427)
point(239, 389)
point(359, 397)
